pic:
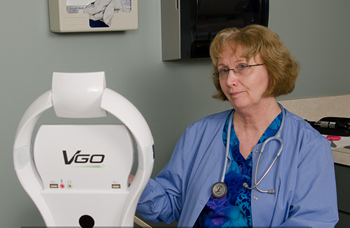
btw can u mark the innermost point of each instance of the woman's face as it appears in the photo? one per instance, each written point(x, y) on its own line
point(243, 91)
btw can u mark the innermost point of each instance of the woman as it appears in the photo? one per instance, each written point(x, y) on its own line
point(251, 68)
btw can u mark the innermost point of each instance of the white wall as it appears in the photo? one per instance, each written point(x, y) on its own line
point(170, 95)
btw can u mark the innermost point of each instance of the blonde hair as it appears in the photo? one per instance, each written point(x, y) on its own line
point(283, 69)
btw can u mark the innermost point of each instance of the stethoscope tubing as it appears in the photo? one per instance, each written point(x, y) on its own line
point(277, 137)
point(227, 147)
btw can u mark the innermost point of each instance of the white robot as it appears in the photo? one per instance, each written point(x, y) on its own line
point(78, 175)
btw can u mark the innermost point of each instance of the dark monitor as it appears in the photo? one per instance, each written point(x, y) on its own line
point(201, 20)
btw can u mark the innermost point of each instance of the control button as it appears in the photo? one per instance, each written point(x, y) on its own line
point(86, 221)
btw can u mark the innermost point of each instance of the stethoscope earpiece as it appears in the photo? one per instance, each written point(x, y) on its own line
point(270, 191)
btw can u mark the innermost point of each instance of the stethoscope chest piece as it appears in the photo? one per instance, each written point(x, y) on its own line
point(219, 189)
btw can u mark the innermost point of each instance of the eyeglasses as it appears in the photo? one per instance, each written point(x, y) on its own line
point(239, 70)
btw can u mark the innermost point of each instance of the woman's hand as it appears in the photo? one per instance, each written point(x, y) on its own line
point(131, 178)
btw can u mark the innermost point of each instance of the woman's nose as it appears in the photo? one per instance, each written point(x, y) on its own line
point(231, 78)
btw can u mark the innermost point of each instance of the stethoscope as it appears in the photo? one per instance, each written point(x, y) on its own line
point(219, 189)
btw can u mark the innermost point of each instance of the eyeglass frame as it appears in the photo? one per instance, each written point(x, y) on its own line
point(216, 73)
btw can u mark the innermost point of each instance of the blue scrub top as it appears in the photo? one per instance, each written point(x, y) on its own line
point(303, 177)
